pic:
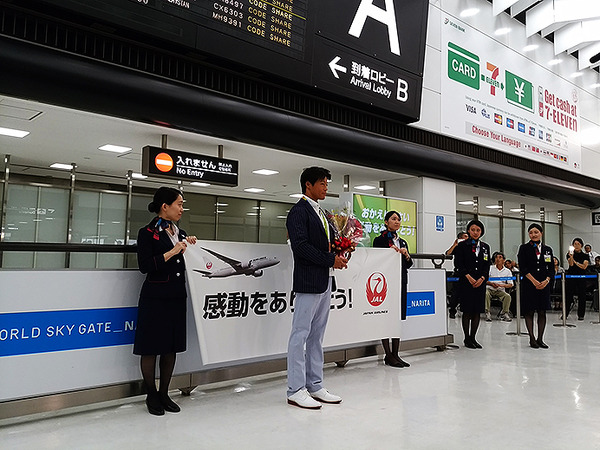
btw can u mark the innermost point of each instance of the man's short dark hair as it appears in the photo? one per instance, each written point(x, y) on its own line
point(312, 175)
point(498, 253)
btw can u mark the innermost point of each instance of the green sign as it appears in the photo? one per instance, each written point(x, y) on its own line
point(463, 66)
point(371, 211)
point(519, 92)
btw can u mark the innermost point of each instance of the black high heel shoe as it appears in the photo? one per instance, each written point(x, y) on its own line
point(392, 362)
point(533, 343)
point(154, 404)
point(469, 343)
point(168, 404)
point(541, 344)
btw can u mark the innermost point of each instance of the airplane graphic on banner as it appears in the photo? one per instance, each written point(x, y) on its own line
point(253, 267)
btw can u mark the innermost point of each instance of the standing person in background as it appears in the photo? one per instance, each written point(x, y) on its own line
point(472, 261)
point(161, 323)
point(310, 238)
point(557, 285)
point(578, 263)
point(497, 289)
point(592, 254)
point(537, 268)
point(389, 239)
point(451, 287)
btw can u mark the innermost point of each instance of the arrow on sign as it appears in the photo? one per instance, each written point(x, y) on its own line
point(335, 67)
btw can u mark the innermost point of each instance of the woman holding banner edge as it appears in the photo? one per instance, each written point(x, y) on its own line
point(389, 239)
point(161, 322)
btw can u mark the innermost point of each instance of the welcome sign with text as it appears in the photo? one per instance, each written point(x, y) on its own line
point(243, 304)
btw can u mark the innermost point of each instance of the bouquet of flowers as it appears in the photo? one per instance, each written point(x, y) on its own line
point(348, 231)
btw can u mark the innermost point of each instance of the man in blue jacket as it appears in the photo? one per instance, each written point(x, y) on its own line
point(310, 237)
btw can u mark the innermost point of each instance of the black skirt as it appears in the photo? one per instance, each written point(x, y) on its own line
point(533, 299)
point(161, 326)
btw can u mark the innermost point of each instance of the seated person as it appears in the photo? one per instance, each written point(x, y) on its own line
point(497, 289)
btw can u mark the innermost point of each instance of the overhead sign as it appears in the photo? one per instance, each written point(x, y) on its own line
point(596, 218)
point(175, 164)
point(493, 96)
point(367, 51)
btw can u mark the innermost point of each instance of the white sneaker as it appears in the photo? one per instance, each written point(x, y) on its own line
point(303, 400)
point(506, 317)
point(323, 395)
point(488, 316)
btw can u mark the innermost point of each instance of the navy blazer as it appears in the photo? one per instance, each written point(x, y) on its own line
point(164, 279)
point(310, 247)
point(540, 268)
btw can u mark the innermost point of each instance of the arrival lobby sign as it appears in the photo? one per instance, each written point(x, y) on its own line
point(495, 97)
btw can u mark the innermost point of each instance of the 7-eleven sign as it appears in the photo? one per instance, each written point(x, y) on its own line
point(519, 91)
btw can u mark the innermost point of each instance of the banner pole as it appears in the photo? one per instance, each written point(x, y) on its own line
point(564, 306)
point(518, 300)
point(598, 286)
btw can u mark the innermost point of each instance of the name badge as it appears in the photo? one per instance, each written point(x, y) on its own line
point(547, 258)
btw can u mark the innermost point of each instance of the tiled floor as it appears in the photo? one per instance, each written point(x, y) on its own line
point(504, 396)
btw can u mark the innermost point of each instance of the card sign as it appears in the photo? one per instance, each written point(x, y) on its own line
point(596, 218)
point(178, 165)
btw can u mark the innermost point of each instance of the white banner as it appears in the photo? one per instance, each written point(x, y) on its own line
point(242, 301)
point(493, 96)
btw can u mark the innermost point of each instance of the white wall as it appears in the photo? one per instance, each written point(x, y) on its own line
point(434, 198)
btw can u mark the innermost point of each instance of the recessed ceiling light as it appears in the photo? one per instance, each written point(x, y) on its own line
point(259, 207)
point(220, 212)
point(516, 210)
point(221, 204)
point(199, 184)
point(469, 12)
point(297, 195)
point(365, 187)
point(13, 133)
point(252, 214)
point(493, 206)
point(61, 166)
point(502, 31)
point(115, 148)
point(554, 62)
point(139, 176)
point(466, 202)
point(254, 190)
point(282, 217)
point(531, 47)
point(265, 172)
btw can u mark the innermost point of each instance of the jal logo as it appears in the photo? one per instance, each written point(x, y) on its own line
point(163, 162)
point(376, 289)
point(209, 265)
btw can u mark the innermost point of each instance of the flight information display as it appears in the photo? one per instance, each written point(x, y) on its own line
point(278, 25)
point(366, 51)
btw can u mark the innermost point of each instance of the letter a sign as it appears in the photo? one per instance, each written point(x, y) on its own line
point(372, 51)
point(386, 16)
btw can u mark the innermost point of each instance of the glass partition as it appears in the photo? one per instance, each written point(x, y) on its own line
point(272, 222)
point(35, 214)
point(237, 219)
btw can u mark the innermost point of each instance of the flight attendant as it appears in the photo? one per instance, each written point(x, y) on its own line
point(537, 268)
point(161, 323)
point(472, 262)
point(390, 239)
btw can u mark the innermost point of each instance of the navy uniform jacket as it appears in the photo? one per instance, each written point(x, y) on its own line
point(163, 278)
point(541, 268)
point(312, 258)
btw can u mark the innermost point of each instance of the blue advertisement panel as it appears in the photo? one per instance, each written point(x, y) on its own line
point(420, 303)
point(26, 333)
